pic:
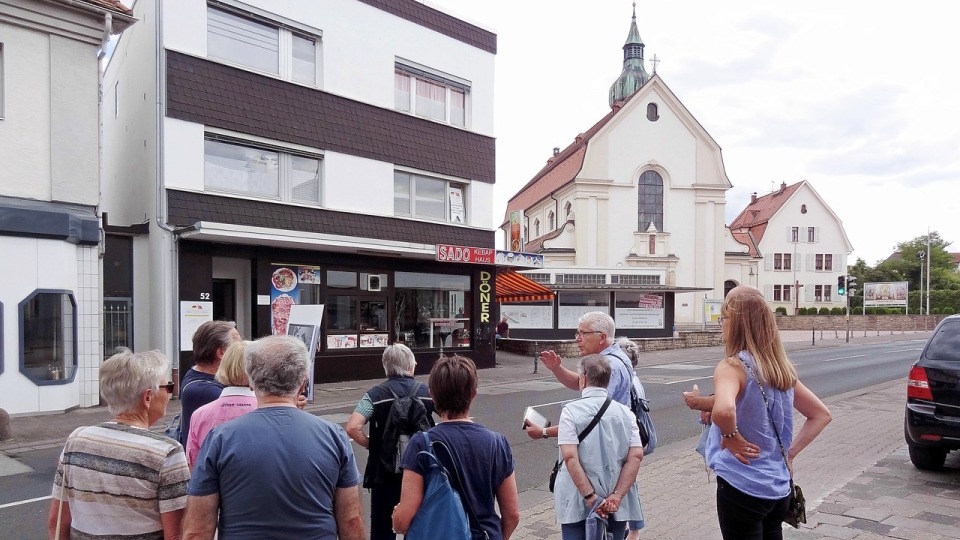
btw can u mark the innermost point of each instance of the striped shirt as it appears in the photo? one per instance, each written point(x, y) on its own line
point(119, 479)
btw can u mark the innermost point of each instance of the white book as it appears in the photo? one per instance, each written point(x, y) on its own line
point(532, 416)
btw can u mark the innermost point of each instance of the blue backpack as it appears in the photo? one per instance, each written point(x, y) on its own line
point(441, 508)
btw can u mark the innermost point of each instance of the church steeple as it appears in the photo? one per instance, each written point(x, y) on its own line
point(633, 75)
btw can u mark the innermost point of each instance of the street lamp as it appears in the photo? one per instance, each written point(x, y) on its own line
point(921, 255)
point(752, 274)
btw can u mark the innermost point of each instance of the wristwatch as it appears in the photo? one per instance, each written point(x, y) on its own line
point(545, 435)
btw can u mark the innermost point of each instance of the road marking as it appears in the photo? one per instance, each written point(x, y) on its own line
point(28, 501)
point(844, 357)
point(690, 380)
point(679, 367)
point(908, 350)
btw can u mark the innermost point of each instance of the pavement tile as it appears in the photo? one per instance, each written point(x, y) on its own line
point(938, 518)
point(830, 519)
point(870, 526)
point(833, 531)
point(869, 512)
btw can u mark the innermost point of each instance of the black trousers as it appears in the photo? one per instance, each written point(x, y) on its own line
point(744, 517)
point(383, 497)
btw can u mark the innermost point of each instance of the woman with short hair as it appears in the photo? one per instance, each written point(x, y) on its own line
point(119, 478)
point(484, 461)
point(236, 399)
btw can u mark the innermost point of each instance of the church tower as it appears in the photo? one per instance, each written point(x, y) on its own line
point(633, 75)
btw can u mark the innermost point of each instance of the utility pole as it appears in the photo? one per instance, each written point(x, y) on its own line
point(846, 288)
point(922, 256)
point(928, 270)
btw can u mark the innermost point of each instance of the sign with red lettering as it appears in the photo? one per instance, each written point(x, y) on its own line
point(465, 254)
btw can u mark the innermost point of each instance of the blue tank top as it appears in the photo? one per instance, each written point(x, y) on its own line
point(766, 477)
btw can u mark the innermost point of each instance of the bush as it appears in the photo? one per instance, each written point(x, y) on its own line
point(837, 311)
point(871, 311)
point(780, 310)
point(802, 311)
point(824, 311)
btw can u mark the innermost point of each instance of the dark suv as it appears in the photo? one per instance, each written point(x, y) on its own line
point(932, 424)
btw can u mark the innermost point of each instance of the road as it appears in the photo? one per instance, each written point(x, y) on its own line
point(827, 371)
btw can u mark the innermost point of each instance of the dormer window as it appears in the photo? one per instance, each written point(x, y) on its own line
point(652, 113)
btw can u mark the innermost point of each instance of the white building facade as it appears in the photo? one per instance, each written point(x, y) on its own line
point(339, 141)
point(50, 317)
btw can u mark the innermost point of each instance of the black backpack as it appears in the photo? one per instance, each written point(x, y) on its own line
point(407, 416)
point(637, 405)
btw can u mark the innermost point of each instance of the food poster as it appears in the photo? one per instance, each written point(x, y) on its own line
point(283, 294)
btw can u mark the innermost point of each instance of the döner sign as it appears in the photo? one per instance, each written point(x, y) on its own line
point(464, 254)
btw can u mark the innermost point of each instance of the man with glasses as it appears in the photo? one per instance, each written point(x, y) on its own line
point(595, 331)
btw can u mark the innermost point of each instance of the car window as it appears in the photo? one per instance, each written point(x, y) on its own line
point(945, 343)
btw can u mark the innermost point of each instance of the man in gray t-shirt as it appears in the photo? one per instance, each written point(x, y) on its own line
point(277, 472)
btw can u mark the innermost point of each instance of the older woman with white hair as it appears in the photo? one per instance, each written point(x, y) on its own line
point(119, 478)
point(383, 475)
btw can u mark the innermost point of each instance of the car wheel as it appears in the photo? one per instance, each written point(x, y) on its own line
point(927, 458)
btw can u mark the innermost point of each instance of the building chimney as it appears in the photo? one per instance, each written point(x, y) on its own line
point(783, 187)
point(556, 151)
point(753, 197)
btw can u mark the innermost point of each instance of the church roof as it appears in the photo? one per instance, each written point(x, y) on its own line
point(634, 75)
point(754, 218)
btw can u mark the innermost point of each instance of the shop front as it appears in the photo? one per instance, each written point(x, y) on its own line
point(362, 303)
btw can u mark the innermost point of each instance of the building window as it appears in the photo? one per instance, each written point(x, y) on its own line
point(262, 45)
point(818, 293)
point(429, 310)
point(778, 261)
point(573, 304)
point(48, 332)
point(265, 172)
point(428, 198)
point(567, 210)
point(1, 83)
point(795, 234)
point(536, 228)
point(782, 261)
point(781, 293)
point(650, 201)
point(652, 114)
point(826, 293)
point(526, 230)
point(551, 220)
point(812, 234)
point(823, 262)
point(434, 95)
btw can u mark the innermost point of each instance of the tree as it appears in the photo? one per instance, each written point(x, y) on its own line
point(905, 265)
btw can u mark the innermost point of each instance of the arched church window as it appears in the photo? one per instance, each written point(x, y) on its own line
point(567, 208)
point(551, 221)
point(536, 228)
point(652, 113)
point(650, 201)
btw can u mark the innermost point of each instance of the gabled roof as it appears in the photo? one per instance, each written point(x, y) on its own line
point(112, 5)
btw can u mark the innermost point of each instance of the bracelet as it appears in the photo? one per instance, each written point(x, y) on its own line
point(730, 435)
point(587, 497)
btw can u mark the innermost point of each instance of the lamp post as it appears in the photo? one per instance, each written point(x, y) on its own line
point(921, 255)
point(752, 275)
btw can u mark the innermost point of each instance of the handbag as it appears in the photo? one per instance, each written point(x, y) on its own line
point(797, 505)
point(583, 435)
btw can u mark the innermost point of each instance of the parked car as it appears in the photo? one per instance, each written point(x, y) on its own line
point(932, 420)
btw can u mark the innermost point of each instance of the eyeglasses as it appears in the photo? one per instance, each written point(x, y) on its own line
point(579, 334)
point(168, 387)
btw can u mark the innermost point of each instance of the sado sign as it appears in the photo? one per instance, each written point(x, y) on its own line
point(465, 254)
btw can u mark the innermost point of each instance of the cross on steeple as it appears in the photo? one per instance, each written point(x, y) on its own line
point(654, 61)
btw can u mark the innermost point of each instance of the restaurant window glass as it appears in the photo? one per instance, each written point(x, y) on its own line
point(430, 310)
point(357, 314)
point(573, 304)
point(48, 331)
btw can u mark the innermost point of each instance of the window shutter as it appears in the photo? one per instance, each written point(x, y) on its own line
point(811, 261)
point(808, 293)
point(768, 261)
point(790, 235)
point(816, 234)
point(838, 263)
point(768, 291)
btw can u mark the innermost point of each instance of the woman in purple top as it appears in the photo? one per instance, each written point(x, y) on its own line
point(756, 389)
point(235, 400)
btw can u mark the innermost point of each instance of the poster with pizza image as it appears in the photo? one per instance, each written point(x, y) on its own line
point(283, 294)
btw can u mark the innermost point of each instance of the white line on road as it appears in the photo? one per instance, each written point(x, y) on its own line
point(28, 501)
point(908, 350)
point(844, 357)
point(691, 379)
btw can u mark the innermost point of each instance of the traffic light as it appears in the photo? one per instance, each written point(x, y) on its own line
point(851, 285)
point(841, 285)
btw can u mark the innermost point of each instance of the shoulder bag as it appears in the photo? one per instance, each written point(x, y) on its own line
point(583, 435)
point(797, 507)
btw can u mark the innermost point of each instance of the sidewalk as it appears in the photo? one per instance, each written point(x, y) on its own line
point(852, 491)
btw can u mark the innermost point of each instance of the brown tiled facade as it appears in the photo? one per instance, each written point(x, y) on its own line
point(220, 96)
point(186, 208)
point(438, 21)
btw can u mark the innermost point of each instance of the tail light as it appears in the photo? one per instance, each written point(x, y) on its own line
point(918, 386)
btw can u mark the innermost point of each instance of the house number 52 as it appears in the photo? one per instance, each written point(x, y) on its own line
point(204, 296)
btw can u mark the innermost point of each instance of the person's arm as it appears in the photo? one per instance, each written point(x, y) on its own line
point(411, 495)
point(697, 401)
point(817, 417)
point(200, 519)
point(65, 518)
point(346, 510)
point(536, 432)
point(171, 522)
point(552, 361)
point(354, 429)
point(628, 476)
point(728, 379)
point(571, 458)
point(508, 501)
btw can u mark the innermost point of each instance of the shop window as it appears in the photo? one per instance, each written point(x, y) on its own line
point(650, 201)
point(428, 198)
point(573, 304)
point(1, 339)
point(639, 310)
point(234, 166)
point(430, 94)
point(262, 45)
point(357, 311)
point(430, 310)
point(48, 337)
point(291, 285)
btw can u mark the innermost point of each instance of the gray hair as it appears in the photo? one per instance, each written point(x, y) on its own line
point(125, 375)
point(599, 321)
point(631, 349)
point(398, 361)
point(596, 369)
point(276, 365)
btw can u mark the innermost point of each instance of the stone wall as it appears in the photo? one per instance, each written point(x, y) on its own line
point(861, 323)
point(568, 347)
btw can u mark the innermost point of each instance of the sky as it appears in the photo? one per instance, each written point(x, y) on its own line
point(860, 98)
